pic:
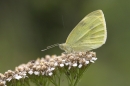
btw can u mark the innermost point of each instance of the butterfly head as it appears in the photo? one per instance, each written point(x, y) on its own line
point(66, 47)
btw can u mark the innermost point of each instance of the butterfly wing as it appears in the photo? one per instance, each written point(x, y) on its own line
point(90, 33)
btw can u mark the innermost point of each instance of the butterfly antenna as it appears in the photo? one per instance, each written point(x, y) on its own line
point(51, 46)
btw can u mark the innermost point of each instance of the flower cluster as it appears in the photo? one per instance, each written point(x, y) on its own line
point(50, 66)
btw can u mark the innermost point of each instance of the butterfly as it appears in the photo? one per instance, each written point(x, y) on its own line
point(90, 33)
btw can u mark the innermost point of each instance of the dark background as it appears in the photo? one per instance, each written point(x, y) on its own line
point(28, 26)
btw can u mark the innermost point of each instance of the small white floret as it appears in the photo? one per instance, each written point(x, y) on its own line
point(87, 62)
point(63, 60)
point(61, 65)
point(9, 79)
point(75, 65)
point(30, 72)
point(92, 61)
point(50, 74)
point(49, 69)
point(94, 58)
point(55, 64)
point(36, 72)
point(80, 65)
point(66, 63)
point(52, 68)
point(17, 77)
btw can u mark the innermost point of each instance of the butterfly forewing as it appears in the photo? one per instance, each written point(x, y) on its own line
point(90, 33)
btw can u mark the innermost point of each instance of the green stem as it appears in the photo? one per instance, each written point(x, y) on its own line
point(80, 75)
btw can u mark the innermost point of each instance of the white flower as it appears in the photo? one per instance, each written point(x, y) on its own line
point(9, 79)
point(23, 74)
point(52, 68)
point(61, 65)
point(70, 63)
point(36, 72)
point(63, 60)
point(30, 72)
point(18, 77)
point(50, 74)
point(49, 69)
point(66, 63)
point(80, 65)
point(94, 59)
point(87, 62)
point(75, 64)
point(55, 64)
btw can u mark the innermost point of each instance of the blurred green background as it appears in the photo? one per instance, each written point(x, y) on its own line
point(28, 26)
